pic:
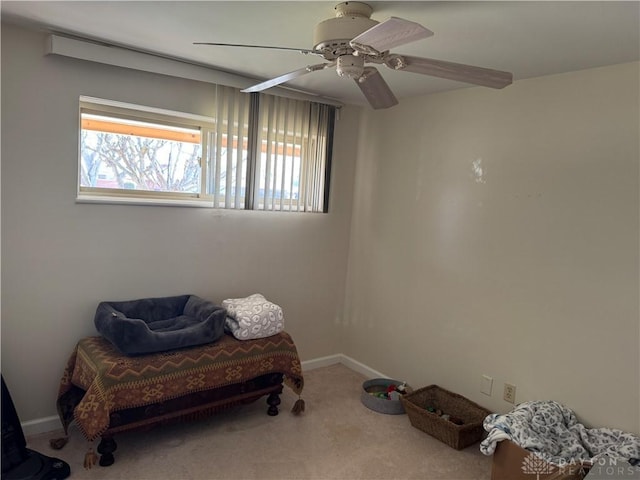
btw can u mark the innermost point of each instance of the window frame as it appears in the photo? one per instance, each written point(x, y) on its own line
point(161, 117)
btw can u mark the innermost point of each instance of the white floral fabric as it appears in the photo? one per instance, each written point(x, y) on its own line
point(253, 317)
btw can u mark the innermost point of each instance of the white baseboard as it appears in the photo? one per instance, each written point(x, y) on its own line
point(321, 362)
point(344, 360)
point(361, 367)
point(50, 424)
point(41, 425)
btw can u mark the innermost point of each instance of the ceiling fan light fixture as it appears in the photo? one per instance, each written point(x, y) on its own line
point(350, 66)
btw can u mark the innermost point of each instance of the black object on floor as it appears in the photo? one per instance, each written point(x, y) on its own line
point(18, 461)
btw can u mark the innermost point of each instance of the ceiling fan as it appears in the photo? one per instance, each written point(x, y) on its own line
point(351, 40)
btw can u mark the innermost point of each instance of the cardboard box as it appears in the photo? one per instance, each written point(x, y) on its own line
point(512, 462)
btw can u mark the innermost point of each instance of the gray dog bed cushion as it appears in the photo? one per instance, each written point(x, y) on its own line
point(151, 325)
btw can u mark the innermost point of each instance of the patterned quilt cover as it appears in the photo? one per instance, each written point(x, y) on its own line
point(552, 432)
point(111, 381)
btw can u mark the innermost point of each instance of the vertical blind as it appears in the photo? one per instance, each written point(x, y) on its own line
point(227, 149)
point(270, 153)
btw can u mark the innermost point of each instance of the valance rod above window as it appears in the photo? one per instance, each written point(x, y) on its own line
point(146, 62)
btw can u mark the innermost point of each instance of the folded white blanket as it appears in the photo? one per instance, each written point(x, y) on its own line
point(253, 317)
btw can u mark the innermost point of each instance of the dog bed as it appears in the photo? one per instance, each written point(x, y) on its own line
point(150, 325)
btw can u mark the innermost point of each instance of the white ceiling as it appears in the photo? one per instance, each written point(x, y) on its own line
point(529, 39)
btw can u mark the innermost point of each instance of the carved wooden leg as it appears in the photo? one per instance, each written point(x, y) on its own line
point(105, 449)
point(273, 401)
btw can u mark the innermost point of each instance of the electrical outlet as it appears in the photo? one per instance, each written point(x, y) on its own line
point(486, 384)
point(509, 393)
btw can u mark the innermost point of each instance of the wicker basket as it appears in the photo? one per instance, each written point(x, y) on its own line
point(456, 436)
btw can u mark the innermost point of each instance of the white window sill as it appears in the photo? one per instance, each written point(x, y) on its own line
point(160, 202)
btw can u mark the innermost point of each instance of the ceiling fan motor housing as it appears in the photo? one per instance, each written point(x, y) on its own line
point(332, 36)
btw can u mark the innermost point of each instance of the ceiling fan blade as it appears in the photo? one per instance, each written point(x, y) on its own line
point(389, 34)
point(287, 77)
point(375, 89)
point(299, 50)
point(451, 71)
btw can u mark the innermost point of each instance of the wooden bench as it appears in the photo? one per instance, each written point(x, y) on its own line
point(105, 392)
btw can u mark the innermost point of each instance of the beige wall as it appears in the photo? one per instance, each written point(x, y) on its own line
point(496, 232)
point(59, 258)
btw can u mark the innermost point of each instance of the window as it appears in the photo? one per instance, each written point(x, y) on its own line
point(256, 152)
point(124, 154)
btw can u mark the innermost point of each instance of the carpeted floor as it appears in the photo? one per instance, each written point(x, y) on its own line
point(336, 438)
